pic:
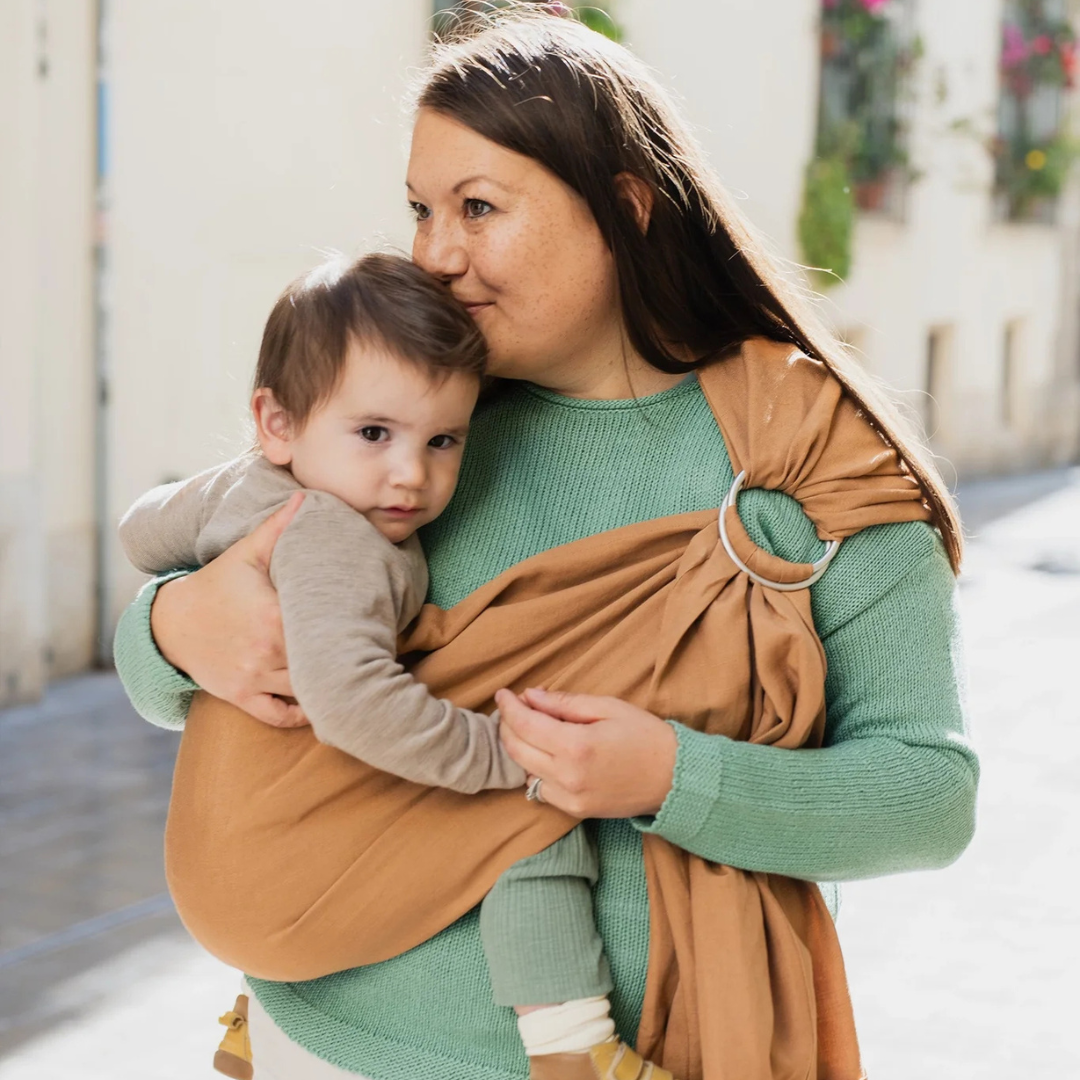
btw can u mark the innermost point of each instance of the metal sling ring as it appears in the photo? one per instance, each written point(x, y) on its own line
point(818, 568)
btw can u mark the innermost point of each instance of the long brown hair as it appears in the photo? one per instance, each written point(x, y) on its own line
point(699, 277)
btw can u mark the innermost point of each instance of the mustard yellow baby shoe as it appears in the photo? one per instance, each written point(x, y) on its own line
point(611, 1060)
point(233, 1057)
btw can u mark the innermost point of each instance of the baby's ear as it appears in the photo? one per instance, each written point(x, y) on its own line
point(272, 426)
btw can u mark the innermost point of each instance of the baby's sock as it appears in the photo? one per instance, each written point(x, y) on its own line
point(569, 1028)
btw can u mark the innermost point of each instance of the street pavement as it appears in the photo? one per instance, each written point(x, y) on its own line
point(960, 974)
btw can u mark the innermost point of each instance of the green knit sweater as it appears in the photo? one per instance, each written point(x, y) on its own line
point(893, 790)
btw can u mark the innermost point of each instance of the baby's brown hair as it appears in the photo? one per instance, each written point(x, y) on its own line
point(381, 300)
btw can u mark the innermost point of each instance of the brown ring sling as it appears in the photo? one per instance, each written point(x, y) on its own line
point(290, 860)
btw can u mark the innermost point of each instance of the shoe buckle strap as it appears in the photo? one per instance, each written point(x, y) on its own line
point(626, 1065)
point(232, 1020)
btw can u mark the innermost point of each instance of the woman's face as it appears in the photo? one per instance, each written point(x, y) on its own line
point(519, 248)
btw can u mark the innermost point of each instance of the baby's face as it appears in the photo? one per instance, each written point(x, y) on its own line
point(389, 441)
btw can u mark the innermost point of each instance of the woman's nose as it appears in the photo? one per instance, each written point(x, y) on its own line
point(438, 250)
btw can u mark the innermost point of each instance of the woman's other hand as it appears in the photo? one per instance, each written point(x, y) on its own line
point(598, 756)
point(222, 625)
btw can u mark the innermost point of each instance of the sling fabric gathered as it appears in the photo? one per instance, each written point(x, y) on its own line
point(290, 860)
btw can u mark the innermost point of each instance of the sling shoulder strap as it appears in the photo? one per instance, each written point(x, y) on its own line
point(789, 426)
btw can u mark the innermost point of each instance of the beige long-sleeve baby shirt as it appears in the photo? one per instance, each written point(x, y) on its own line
point(345, 593)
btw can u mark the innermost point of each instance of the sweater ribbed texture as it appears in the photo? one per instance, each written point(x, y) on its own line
point(894, 789)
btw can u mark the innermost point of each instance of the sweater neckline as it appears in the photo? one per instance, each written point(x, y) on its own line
point(552, 397)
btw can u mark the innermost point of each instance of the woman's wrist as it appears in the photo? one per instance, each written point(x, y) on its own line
point(661, 778)
point(166, 615)
point(694, 790)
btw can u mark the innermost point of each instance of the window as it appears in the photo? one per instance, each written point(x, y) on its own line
point(1032, 153)
point(860, 161)
point(867, 48)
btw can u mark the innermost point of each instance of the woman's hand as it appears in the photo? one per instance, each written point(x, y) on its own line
point(222, 625)
point(598, 756)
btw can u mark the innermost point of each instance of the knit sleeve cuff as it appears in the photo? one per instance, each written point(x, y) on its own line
point(160, 693)
point(694, 790)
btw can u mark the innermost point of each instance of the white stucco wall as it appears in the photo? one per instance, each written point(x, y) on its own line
point(64, 327)
point(22, 606)
point(47, 600)
point(747, 75)
point(951, 264)
point(247, 138)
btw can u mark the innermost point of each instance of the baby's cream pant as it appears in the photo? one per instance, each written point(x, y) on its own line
point(277, 1057)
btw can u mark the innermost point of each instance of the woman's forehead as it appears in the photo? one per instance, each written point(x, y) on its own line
point(448, 154)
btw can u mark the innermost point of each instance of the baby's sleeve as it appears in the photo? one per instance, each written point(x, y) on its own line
point(160, 532)
point(340, 585)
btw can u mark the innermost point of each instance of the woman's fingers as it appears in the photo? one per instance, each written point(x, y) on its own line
point(574, 708)
point(275, 712)
point(259, 544)
point(222, 624)
point(278, 683)
point(515, 730)
point(607, 757)
point(554, 794)
point(528, 757)
point(536, 728)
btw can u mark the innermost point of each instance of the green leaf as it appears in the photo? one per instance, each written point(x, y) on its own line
point(827, 220)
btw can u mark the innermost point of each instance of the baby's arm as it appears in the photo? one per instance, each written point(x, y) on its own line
point(161, 530)
point(342, 587)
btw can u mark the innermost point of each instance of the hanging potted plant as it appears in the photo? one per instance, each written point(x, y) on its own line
point(860, 155)
point(1033, 154)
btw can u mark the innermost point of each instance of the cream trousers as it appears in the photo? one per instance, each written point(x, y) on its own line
point(277, 1057)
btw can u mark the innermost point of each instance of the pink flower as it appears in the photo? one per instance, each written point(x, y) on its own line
point(873, 6)
point(1068, 62)
point(1014, 49)
point(1042, 45)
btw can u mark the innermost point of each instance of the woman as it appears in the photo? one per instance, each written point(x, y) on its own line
point(568, 210)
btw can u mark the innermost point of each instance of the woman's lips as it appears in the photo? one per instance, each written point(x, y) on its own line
point(472, 309)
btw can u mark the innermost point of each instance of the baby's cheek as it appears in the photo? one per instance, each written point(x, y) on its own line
point(447, 485)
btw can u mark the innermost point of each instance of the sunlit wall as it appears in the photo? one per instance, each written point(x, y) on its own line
point(236, 142)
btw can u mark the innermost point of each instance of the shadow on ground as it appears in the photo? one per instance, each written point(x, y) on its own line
point(984, 501)
point(84, 790)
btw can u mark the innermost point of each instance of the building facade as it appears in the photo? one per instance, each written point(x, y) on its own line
point(170, 165)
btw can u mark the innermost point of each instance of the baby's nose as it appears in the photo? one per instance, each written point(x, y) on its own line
point(411, 472)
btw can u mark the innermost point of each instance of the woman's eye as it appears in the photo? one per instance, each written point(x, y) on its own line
point(442, 442)
point(419, 211)
point(476, 208)
point(371, 433)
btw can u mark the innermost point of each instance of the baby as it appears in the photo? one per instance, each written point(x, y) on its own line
point(366, 381)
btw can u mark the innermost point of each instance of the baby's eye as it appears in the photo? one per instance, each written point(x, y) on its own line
point(419, 211)
point(477, 208)
point(442, 442)
point(373, 433)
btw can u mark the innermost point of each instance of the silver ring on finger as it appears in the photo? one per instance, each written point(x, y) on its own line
point(532, 792)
